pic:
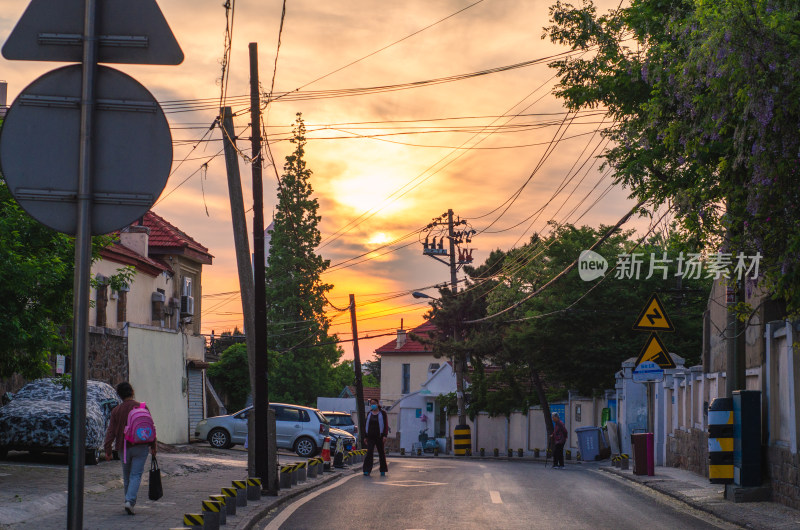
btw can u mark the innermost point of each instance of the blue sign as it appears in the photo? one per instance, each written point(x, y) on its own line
point(648, 371)
point(560, 409)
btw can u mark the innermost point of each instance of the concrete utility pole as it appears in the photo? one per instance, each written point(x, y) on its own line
point(242, 247)
point(459, 361)
point(357, 367)
point(263, 457)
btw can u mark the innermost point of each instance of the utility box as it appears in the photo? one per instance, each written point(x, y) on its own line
point(643, 462)
point(747, 438)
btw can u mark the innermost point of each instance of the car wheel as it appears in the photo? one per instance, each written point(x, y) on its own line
point(93, 457)
point(219, 438)
point(305, 447)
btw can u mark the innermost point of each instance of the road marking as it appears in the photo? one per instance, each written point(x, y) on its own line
point(482, 466)
point(495, 495)
point(287, 512)
point(412, 483)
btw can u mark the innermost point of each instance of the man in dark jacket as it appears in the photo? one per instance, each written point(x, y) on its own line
point(559, 438)
point(376, 431)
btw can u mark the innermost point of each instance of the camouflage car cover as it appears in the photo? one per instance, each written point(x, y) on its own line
point(38, 416)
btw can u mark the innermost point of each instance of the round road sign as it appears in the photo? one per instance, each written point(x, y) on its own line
point(39, 149)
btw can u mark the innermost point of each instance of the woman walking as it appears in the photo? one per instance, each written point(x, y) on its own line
point(134, 455)
point(376, 430)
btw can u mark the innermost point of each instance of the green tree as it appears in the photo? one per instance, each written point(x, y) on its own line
point(231, 375)
point(302, 351)
point(705, 102)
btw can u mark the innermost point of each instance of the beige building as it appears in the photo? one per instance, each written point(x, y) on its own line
point(406, 364)
point(148, 332)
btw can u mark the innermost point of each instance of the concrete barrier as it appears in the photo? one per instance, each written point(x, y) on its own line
point(193, 520)
point(223, 513)
point(230, 500)
point(286, 477)
point(253, 489)
point(241, 492)
point(211, 515)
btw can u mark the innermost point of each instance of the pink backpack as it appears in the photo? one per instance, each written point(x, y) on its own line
point(139, 430)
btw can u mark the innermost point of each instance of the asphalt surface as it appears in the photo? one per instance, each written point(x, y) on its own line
point(433, 494)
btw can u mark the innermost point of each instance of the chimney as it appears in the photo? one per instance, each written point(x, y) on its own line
point(401, 338)
point(136, 238)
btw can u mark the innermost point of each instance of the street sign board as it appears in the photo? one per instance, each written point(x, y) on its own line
point(653, 317)
point(655, 351)
point(648, 371)
point(131, 32)
point(39, 155)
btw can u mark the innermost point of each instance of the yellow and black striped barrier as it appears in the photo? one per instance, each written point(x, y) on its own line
point(720, 441)
point(314, 467)
point(241, 492)
point(223, 500)
point(301, 471)
point(230, 501)
point(462, 440)
point(253, 489)
point(286, 476)
point(211, 515)
point(193, 520)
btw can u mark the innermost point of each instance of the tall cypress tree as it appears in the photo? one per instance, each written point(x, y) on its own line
point(301, 351)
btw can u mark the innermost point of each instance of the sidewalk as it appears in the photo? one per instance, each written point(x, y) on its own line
point(699, 493)
point(35, 497)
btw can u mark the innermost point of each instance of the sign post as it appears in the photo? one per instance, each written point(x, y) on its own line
point(67, 190)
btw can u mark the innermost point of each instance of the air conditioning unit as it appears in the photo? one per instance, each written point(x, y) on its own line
point(187, 305)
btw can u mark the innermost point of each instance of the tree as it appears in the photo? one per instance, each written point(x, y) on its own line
point(302, 353)
point(705, 104)
point(231, 374)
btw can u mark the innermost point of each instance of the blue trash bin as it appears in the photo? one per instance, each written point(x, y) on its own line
point(590, 442)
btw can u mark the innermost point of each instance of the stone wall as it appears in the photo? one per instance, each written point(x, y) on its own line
point(108, 355)
point(689, 450)
point(782, 471)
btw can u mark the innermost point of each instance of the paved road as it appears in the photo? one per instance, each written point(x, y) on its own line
point(433, 494)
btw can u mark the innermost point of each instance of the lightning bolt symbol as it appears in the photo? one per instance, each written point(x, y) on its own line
point(654, 316)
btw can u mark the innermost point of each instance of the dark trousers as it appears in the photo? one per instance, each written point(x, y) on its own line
point(372, 443)
point(558, 455)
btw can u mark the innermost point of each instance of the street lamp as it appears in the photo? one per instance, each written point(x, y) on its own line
point(417, 294)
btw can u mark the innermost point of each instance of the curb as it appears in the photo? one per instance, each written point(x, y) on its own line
point(249, 521)
point(678, 497)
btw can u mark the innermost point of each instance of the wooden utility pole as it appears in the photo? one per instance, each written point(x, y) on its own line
point(261, 389)
point(357, 366)
point(242, 246)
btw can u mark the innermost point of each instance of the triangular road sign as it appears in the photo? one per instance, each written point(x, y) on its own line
point(653, 317)
point(655, 351)
point(130, 32)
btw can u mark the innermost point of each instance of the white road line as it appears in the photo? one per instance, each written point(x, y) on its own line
point(289, 510)
point(495, 495)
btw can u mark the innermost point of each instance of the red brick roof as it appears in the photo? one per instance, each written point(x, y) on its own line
point(410, 346)
point(369, 392)
point(119, 253)
point(166, 238)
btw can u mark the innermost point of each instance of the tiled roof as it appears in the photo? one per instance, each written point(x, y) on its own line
point(166, 237)
point(119, 253)
point(369, 392)
point(410, 345)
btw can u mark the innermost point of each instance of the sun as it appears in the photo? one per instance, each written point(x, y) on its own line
point(379, 238)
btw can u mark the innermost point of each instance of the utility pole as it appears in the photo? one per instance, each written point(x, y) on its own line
point(242, 247)
point(430, 249)
point(357, 366)
point(261, 389)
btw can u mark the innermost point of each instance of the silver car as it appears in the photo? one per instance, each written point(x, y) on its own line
point(297, 428)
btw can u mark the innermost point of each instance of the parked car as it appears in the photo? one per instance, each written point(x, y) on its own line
point(297, 428)
point(342, 420)
point(37, 419)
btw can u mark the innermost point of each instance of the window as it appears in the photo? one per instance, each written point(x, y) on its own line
point(406, 379)
point(577, 413)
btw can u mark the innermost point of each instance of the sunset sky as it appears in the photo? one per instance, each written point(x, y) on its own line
point(468, 144)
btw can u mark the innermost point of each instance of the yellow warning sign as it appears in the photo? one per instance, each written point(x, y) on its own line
point(653, 317)
point(655, 351)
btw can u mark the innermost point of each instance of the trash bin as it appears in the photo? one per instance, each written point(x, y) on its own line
point(643, 463)
point(592, 443)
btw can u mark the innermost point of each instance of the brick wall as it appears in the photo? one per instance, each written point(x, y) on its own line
point(689, 450)
point(782, 470)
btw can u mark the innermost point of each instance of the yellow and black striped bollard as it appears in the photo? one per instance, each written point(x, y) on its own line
point(230, 499)
point(241, 492)
point(462, 440)
point(720, 441)
point(223, 513)
point(286, 477)
point(193, 520)
point(253, 489)
point(211, 515)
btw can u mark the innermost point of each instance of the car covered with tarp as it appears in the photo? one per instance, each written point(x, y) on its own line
point(37, 418)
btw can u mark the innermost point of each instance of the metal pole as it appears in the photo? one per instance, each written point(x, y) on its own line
point(459, 361)
point(242, 246)
point(83, 263)
point(260, 394)
point(357, 366)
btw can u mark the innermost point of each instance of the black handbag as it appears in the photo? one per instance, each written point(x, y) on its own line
point(155, 491)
